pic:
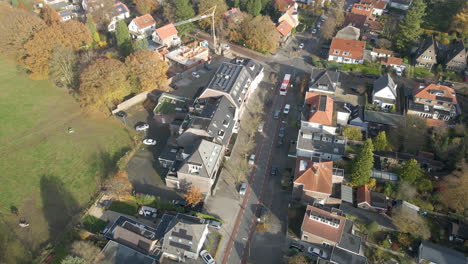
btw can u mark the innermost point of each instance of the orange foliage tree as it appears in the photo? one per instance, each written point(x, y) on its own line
point(193, 196)
point(147, 70)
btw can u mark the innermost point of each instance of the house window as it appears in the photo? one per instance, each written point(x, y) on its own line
point(345, 53)
point(336, 52)
point(428, 101)
point(325, 244)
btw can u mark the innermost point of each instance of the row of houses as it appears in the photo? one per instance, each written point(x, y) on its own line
point(203, 128)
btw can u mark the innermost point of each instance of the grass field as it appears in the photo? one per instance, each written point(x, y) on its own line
point(47, 173)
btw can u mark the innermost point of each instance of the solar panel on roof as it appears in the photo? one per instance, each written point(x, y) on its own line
point(323, 103)
point(443, 98)
point(182, 234)
point(179, 245)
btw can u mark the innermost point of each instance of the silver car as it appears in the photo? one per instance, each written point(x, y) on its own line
point(243, 188)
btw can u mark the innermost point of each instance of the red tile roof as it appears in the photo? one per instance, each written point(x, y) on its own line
point(321, 108)
point(355, 20)
point(375, 3)
point(392, 61)
point(166, 31)
point(144, 21)
point(374, 25)
point(426, 92)
point(314, 177)
point(231, 12)
point(284, 28)
point(362, 9)
point(363, 195)
point(383, 51)
point(283, 5)
point(355, 48)
point(320, 229)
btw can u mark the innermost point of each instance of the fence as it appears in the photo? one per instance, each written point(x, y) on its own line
point(131, 102)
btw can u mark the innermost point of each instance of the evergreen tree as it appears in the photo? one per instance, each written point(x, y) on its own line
point(184, 11)
point(236, 3)
point(380, 141)
point(254, 7)
point(123, 38)
point(362, 165)
point(409, 28)
point(411, 172)
point(140, 44)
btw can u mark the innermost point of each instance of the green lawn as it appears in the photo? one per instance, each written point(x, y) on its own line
point(47, 173)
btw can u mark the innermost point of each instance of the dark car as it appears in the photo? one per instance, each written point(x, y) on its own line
point(280, 142)
point(260, 213)
point(297, 246)
point(281, 132)
point(447, 83)
point(121, 114)
point(179, 203)
point(273, 171)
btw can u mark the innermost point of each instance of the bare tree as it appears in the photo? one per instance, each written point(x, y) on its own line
point(411, 223)
point(63, 67)
point(118, 184)
point(328, 29)
point(87, 251)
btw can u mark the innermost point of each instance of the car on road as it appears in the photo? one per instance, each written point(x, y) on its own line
point(142, 127)
point(149, 141)
point(260, 127)
point(276, 114)
point(121, 114)
point(179, 203)
point(317, 252)
point(297, 246)
point(281, 132)
point(148, 211)
point(287, 107)
point(319, 25)
point(279, 143)
point(195, 75)
point(214, 224)
point(273, 171)
point(252, 159)
point(243, 188)
point(207, 258)
point(314, 31)
point(301, 46)
point(261, 213)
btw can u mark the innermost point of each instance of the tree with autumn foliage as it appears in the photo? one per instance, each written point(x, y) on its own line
point(146, 6)
point(16, 28)
point(193, 196)
point(454, 188)
point(71, 34)
point(147, 71)
point(204, 5)
point(103, 84)
point(259, 33)
point(49, 15)
point(117, 184)
point(460, 21)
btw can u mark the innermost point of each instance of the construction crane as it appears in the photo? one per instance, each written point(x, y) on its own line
point(208, 13)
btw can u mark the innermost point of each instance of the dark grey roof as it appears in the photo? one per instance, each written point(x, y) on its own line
point(383, 118)
point(169, 153)
point(65, 13)
point(440, 255)
point(342, 256)
point(459, 230)
point(349, 241)
point(383, 82)
point(59, 5)
point(347, 193)
point(428, 43)
point(357, 115)
point(205, 156)
point(183, 233)
point(234, 77)
point(115, 253)
point(324, 80)
point(318, 142)
point(378, 200)
point(423, 108)
point(454, 50)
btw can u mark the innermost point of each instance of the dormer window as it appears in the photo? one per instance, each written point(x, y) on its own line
point(194, 169)
point(345, 53)
point(336, 52)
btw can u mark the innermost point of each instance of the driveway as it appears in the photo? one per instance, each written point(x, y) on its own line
point(367, 216)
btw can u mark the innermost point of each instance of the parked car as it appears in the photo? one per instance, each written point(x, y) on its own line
point(317, 252)
point(121, 114)
point(280, 142)
point(214, 224)
point(297, 246)
point(318, 25)
point(260, 127)
point(195, 75)
point(149, 141)
point(314, 31)
point(252, 159)
point(301, 46)
point(142, 127)
point(399, 72)
point(287, 107)
point(243, 188)
point(148, 211)
point(179, 203)
point(281, 132)
point(208, 67)
point(260, 213)
point(207, 258)
point(276, 114)
point(273, 171)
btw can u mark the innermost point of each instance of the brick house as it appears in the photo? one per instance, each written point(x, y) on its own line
point(434, 101)
point(347, 51)
point(322, 227)
point(370, 200)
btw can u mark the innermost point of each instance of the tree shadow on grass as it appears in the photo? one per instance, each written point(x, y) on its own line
point(59, 205)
